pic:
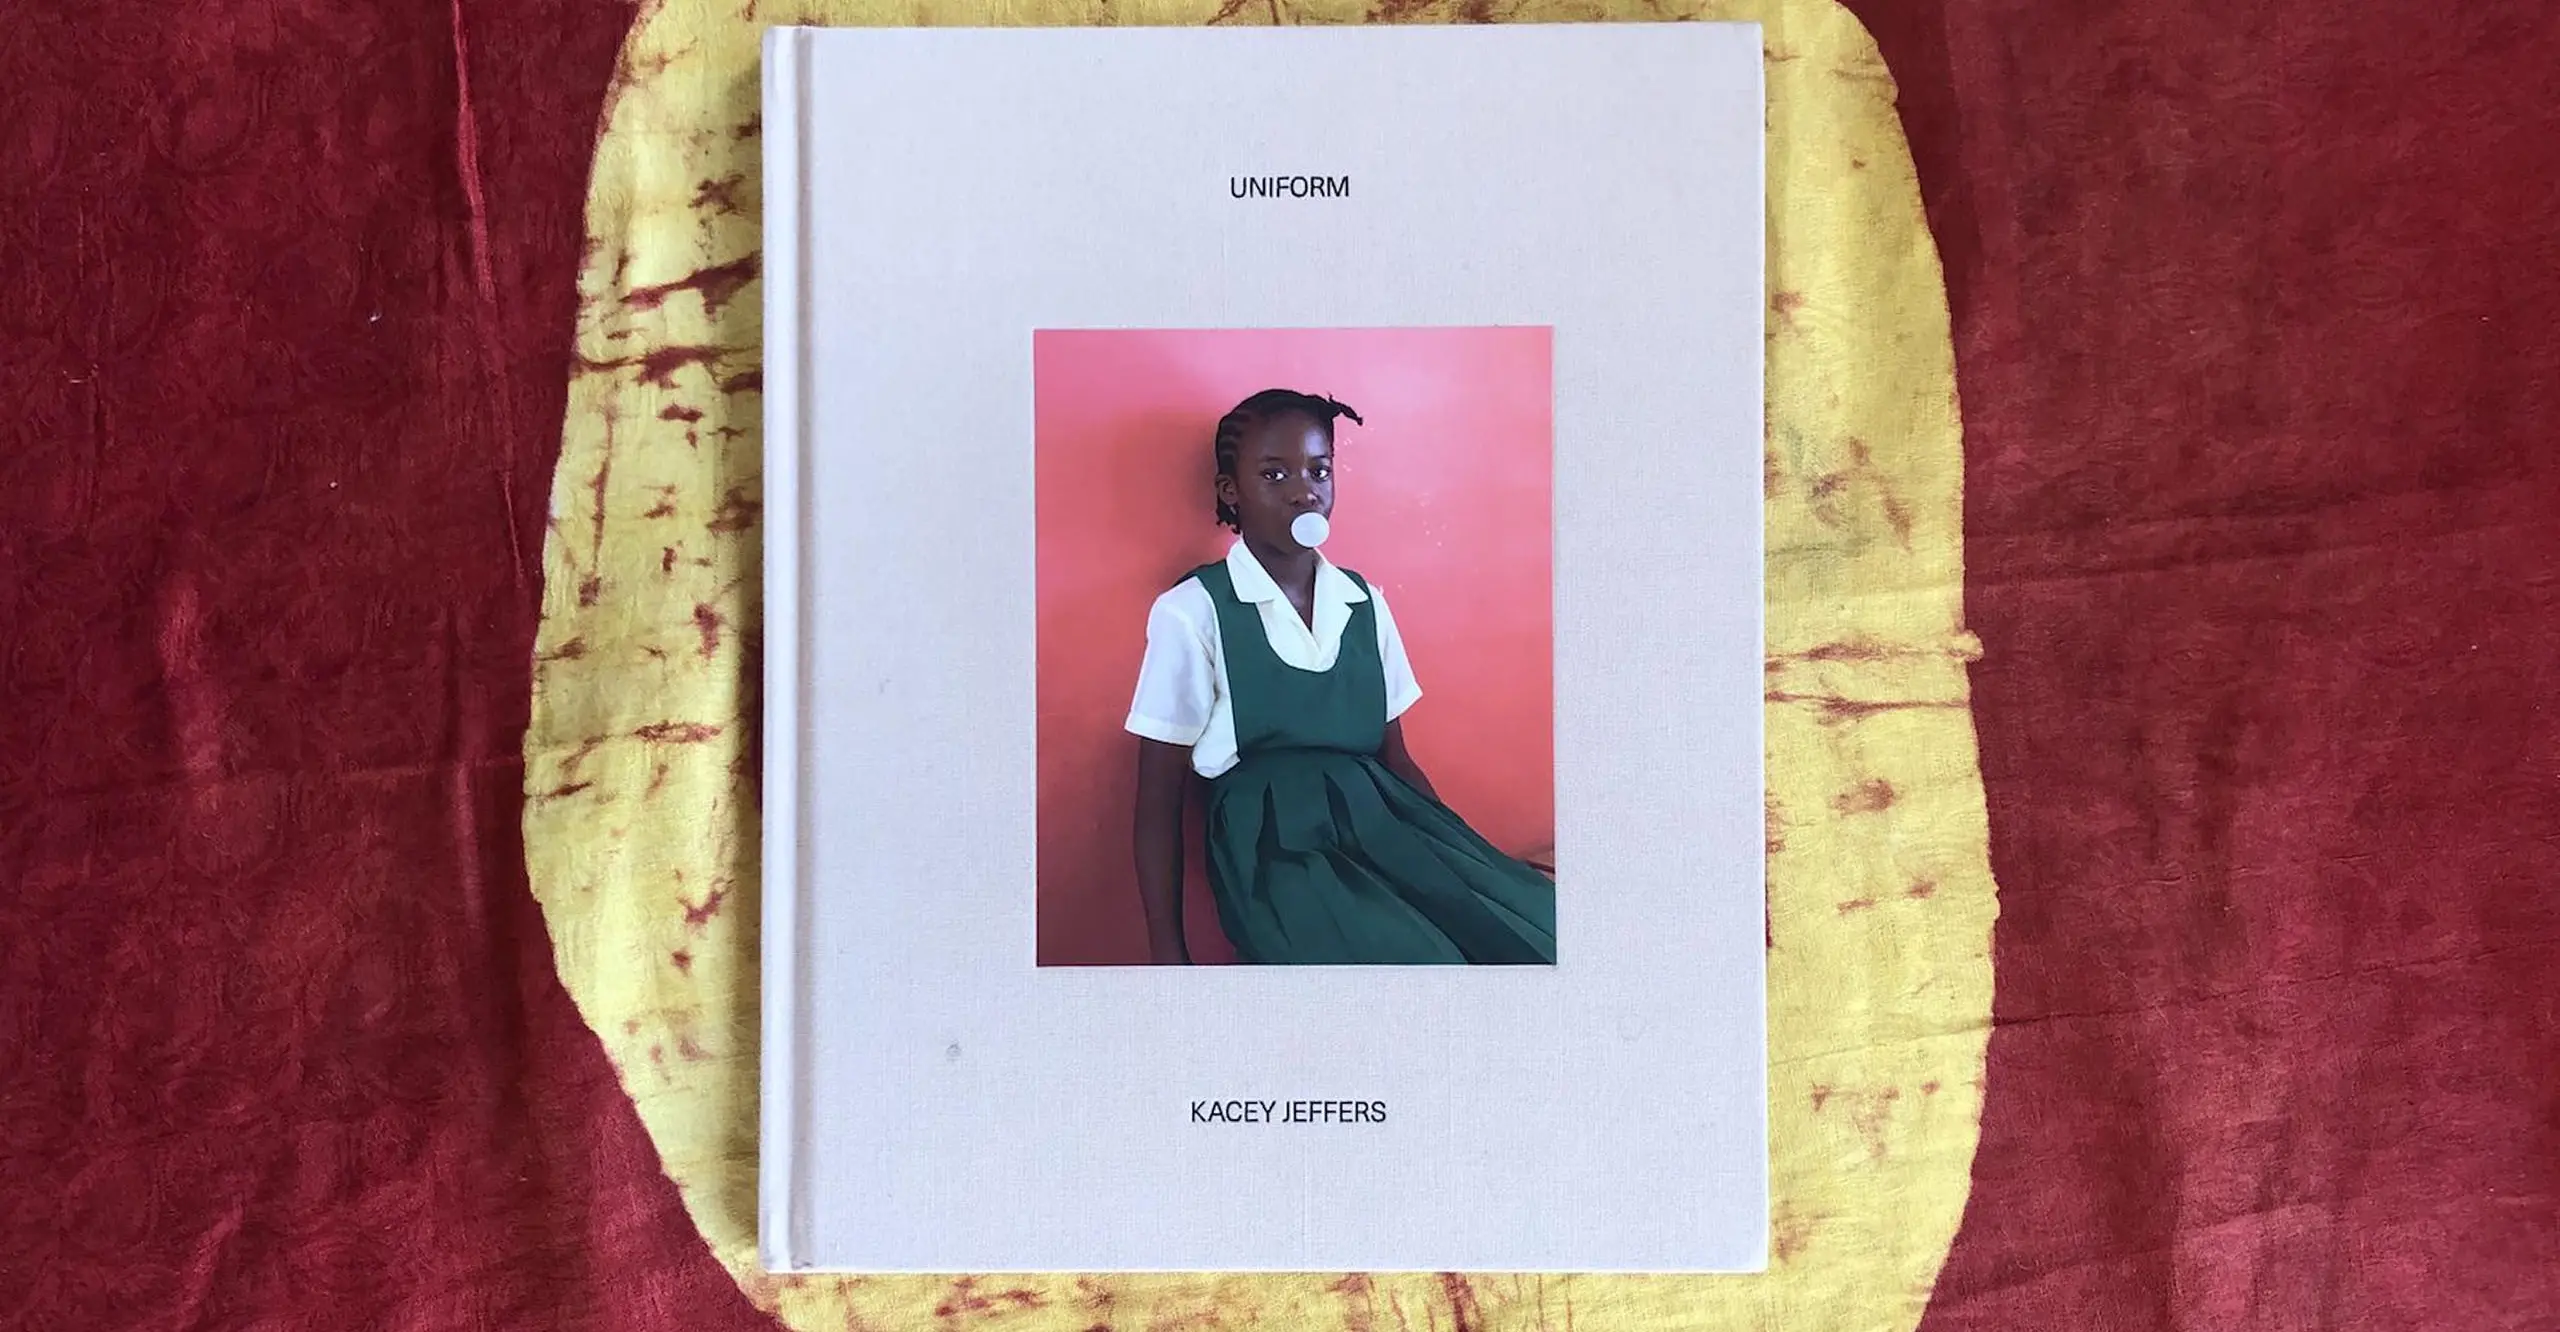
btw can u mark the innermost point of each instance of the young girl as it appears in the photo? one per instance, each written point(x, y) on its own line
point(1281, 679)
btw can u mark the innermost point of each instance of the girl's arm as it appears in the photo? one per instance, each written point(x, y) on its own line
point(1399, 760)
point(1164, 778)
point(1402, 692)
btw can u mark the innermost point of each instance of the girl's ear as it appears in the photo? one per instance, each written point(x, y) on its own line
point(1224, 487)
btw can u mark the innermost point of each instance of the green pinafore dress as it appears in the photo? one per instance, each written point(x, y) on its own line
point(1317, 853)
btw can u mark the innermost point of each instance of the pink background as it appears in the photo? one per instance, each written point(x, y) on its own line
point(1444, 500)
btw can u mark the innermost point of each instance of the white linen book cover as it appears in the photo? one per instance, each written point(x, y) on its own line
point(1263, 639)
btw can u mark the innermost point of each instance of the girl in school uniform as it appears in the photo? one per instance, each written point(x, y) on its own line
point(1280, 678)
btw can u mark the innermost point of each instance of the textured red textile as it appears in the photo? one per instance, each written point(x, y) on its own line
point(2253, 308)
point(286, 319)
point(2254, 312)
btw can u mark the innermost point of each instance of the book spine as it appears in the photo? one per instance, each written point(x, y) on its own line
point(782, 1202)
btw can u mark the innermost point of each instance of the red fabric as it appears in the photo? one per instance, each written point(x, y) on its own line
point(281, 1045)
point(2253, 311)
point(2253, 315)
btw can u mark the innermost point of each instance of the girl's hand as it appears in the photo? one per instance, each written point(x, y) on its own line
point(1155, 839)
point(1399, 760)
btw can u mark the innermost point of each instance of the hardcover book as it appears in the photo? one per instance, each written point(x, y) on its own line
point(1263, 649)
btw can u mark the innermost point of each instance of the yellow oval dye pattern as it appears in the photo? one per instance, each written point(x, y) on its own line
point(640, 823)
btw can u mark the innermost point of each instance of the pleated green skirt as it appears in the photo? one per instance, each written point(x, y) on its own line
point(1325, 856)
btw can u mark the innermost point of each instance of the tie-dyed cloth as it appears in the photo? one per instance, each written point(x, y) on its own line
point(2164, 888)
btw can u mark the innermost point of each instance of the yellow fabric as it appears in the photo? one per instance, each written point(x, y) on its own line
point(641, 824)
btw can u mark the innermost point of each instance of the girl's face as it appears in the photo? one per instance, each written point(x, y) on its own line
point(1283, 468)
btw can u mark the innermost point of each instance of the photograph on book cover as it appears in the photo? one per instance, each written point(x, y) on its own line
point(1255, 545)
point(1051, 406)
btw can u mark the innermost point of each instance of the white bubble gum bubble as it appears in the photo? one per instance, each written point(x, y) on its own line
point(1310, 530)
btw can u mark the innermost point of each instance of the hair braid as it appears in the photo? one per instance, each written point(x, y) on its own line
point(1261, 407)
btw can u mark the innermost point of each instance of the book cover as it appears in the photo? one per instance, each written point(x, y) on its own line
point(1263, 650)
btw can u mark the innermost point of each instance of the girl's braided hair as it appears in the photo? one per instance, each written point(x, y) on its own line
point(1261, 407)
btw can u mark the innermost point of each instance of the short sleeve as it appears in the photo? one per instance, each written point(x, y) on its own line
point(1177, 682)
point(1403, 691)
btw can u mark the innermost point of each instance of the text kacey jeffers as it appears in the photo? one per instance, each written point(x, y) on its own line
point(1288, 1112)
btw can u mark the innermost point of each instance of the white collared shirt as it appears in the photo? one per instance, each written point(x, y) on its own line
point(1183, 695)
